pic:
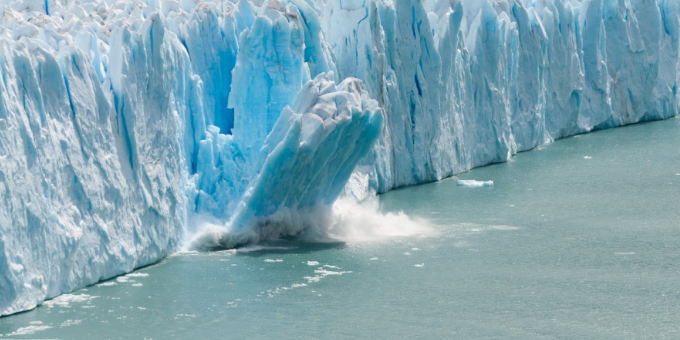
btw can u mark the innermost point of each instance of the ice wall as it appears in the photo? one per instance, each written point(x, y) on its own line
point(91, 174)
point(126, 126)
point(472, 82)
point(119, 127)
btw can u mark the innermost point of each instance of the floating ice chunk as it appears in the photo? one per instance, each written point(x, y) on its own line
point(312, 263)
point(137, 285)
point(106, 284)
point(419, 265)
point(137, 275)
point(473, 183)
point(587, 157)
point(273, 261)
point(373, 259)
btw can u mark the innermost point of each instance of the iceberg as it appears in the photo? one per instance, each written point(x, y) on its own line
point(132, 129)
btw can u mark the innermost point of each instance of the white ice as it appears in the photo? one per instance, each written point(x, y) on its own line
point(474, 183)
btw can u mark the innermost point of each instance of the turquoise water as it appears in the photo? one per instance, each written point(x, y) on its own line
point(577, 239)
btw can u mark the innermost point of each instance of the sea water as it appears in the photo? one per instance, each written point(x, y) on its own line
point(576, 239)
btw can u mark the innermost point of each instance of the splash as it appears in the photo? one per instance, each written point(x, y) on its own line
point(364, 222)
point(346, 221)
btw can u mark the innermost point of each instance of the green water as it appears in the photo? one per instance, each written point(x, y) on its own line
point(577, 239)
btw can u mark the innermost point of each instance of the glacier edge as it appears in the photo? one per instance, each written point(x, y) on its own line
point(123, 122)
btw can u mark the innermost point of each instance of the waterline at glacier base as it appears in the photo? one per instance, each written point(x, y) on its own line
point(577, 239)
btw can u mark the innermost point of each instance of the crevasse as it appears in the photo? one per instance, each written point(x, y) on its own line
point(126, 124)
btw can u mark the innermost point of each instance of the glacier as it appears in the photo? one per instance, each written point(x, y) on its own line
point(130, 129)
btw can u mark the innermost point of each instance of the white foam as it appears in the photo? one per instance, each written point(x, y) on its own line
point(28, 330)
point(273, 261)
point(322, 273)
point(252, 248)
point(473, 183)
point(66, 300)
point(137, 284)
point(68, 323)
point(364, 222)
point(346, 221)
point(137, 275)
point(184, 252)
point(503, 227)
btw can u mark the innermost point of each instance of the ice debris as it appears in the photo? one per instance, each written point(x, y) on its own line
point(474, 183)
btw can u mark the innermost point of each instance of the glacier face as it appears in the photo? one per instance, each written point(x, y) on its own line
point(466, 83)
point(125, 123)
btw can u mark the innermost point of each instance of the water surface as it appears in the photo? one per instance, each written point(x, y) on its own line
point(576, 239)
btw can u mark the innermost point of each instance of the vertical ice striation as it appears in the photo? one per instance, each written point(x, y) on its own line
point(87, 193)
point(126, 126)
point(466, 83)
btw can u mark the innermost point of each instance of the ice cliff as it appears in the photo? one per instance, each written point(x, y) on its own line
point(125, 126)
